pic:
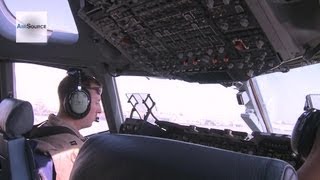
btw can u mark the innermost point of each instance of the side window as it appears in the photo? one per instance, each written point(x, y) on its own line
point(39, 85)
point(284, 95)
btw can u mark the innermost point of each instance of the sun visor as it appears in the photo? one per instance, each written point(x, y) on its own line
point(57, 22)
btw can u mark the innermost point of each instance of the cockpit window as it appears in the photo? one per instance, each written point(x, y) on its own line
point(284, 95)
point(39, 85)
point(21, 21)
point(202, 105)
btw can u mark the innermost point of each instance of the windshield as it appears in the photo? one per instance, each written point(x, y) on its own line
point(215, 106)
point(203, 105)
point(284, 95)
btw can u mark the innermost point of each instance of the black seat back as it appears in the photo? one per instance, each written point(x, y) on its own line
point(133, 157)
point(16, 118)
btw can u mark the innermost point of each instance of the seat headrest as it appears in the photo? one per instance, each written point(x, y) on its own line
point(16, 117)
point(122, 157)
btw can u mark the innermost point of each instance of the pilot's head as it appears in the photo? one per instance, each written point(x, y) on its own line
point(79, 96)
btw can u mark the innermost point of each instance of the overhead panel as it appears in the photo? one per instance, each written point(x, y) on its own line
point(206, 41)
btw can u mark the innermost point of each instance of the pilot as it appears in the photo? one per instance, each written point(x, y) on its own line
point(310, 170)
point(59, 137)
point(305, 141)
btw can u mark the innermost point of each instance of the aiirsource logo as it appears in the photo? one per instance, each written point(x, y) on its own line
point(31, 27)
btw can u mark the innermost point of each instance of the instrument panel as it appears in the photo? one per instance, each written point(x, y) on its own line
point(258, 143)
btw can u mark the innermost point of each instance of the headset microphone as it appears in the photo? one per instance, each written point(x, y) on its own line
point(97, 119)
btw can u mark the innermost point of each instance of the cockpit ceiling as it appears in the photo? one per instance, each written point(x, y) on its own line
point(206, 41)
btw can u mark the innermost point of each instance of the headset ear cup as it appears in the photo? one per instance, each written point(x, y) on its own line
point(77, 103)
point(304, 132)
point(296, 133)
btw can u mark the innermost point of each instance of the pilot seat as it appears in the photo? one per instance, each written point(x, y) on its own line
point(136, 157)
point(18, 160)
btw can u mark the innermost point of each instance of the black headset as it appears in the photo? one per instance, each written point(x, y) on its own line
point(304, 132)
point(77, 101)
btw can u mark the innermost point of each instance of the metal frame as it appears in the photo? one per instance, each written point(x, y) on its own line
point(261, 105)
point(7, 79)
point(111, 103)
point(256, 115)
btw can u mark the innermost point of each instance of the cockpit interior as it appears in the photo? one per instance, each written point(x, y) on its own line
point(224, 42)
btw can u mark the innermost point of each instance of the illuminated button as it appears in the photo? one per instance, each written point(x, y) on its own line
point(226, 59)
point(240, 45)
point(195, 62)
point(215, 60)
point(185, 62)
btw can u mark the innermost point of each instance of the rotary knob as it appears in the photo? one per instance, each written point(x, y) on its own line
point(244, 22)
point(224, 26)
point(250, 73)
point(259, 44)
point(209, 52)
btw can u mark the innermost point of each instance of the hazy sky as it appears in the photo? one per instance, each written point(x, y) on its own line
point(38, 84)
point(284, 93)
